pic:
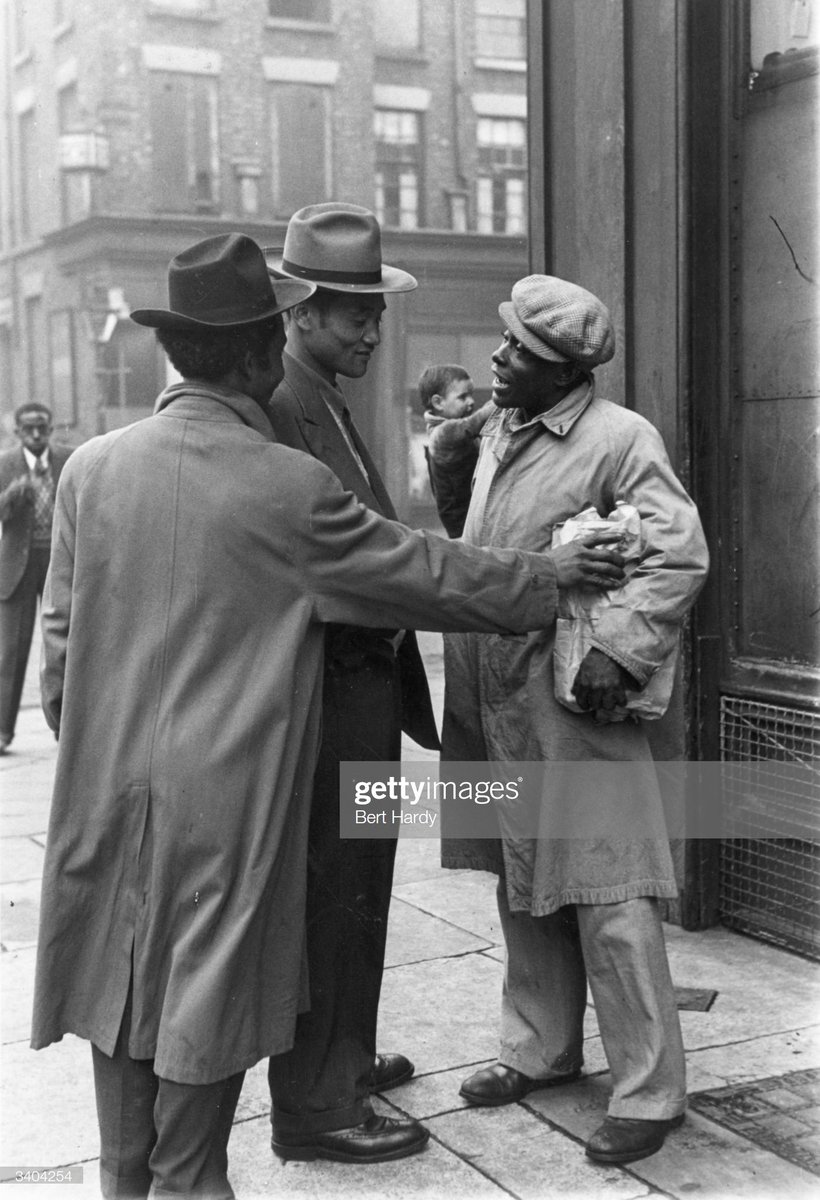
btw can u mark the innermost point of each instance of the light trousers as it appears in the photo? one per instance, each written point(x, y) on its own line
point(619, 949)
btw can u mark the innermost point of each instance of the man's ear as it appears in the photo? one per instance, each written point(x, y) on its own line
point(302, 316)
point(436, 401)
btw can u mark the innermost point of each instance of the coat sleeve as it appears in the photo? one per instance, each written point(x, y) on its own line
point(362, 569)
point(56, 607)
point(451, 456)
point(642, 624)
point(12, 500)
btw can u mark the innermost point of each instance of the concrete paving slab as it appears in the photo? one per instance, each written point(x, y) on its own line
point(24, 806)
point(254, 1100)
point(85, 1184)
point(441, 1013)
point(415, 936)
point(464, 898)
point(19, 914)
point(20, 858)
point(49, 1115)
point(517, 1150)
point(427, 1096)
point(16, 994)
point(757, 1058)
point(255, 1172)
point(416, 859)
point(736, 966)
point(699, 1158)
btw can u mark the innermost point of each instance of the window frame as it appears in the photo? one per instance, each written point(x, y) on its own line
point(393, 164)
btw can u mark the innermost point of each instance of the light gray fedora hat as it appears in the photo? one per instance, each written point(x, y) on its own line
point(337, 246)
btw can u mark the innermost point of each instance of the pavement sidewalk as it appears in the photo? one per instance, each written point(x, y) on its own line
point(753, 1057)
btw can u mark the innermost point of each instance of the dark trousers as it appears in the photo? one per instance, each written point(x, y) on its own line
point(16, 628)
point(322, 1083)
point(159, 1137)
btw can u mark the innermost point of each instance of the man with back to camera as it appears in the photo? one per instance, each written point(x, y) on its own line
point(193, 564)
point(577, 906)
point(28, 480)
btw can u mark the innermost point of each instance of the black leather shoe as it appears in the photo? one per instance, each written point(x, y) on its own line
point(378, 1139)
point(626, 1139)
point(389, 1070)
point(498, 1084)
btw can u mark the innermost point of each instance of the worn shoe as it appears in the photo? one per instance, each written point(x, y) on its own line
point(498, 1085)
point(626, 1139)
point(378, 1139)
point(389, 1070)
point(5, 742)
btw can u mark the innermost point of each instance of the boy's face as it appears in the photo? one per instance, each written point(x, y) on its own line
point(457, 401)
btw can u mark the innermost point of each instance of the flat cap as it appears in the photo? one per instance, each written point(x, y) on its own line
point(559, 321)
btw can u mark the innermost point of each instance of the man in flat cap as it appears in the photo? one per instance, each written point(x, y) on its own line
point(576, 906)
point(374, 686)
point(194, 563)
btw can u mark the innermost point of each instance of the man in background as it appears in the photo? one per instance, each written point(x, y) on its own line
point(28, 480)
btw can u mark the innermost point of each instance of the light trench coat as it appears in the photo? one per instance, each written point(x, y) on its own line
point(499, 697)
point(193, 563)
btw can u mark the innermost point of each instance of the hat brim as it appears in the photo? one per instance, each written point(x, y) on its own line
point(393, 278)
point(506, 310)
point(286, 293)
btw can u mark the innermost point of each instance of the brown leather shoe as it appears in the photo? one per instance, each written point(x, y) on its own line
point(626, 1139)
point(378, 1139)
point(498, 1085)
point(389, 1070)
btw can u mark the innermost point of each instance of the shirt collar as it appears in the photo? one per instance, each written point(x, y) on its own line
point(244, 406)
point(560, 419)
point(33, 459)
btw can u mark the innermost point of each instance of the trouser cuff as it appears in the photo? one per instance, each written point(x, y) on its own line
point(655, 1110)
point(289, 1124)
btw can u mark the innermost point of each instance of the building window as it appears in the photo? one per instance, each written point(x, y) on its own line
point(75, 186)
point(300, 146)
point(398, 159)
point(127, 371)
point(63, 371)
point(182, 6)
point(185, 139)
point(398, 26)
point(300, 10)
point(33, 314)
point(27, 146)
point(20, 27)
point(501, 28)
point(501, 183)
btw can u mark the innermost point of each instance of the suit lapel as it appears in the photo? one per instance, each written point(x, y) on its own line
point(327, 443)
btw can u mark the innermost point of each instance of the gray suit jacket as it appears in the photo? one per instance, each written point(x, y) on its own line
point(18, 516)
point(301, 419)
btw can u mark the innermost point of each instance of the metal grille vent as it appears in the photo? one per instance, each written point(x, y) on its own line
point(771, 887)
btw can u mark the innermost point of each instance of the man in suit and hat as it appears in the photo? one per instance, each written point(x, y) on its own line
point(374, 686)
point(194, 564)
point(28, 479)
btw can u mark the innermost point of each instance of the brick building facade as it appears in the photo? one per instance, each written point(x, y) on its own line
point(135, 127)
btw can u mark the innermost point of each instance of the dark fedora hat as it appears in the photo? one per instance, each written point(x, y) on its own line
point(220, 283)
point(337, 246)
